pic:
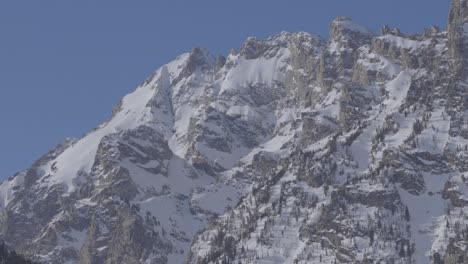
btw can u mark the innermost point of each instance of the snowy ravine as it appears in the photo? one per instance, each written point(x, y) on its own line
point(294, 149)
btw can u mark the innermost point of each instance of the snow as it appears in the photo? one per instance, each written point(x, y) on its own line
point(405, 128)
point(330, 106)
point(285, 117)
point(397, 90)
point(404, 43)
point(181, 126)
point(374, 62)
point(176, 221)
point(7, 189)
point(426, 211)
point(136, 110)
point(333, 47)
point(85, 202)
point(465, 29)
point(216, 198)
point(184, 112)
point(285, 243)
point(274, 145)
point(73, 239)
point(245, 112)
point(79, 157)
point(251, 72)
point(226, 159)
point(435, 137)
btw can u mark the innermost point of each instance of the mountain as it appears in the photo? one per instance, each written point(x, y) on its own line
point(11, 257)
point(293, 149)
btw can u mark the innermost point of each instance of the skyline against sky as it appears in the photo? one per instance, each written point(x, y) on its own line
point(65, 64)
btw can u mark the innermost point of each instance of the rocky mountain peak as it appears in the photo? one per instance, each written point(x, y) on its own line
point(293, 150)
point(386, 30)
point(254, 48)
point(344, 29)
point(201, 59)
point(198, 60)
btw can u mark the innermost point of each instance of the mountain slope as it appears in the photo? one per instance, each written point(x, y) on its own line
point(294, 149)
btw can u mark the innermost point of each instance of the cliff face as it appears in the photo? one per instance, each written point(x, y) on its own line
point(457, 28)
point(294, 149)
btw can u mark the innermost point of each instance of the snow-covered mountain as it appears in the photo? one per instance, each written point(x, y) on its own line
point(294, 149)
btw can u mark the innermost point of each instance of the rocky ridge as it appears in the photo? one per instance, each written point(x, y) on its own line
point(293, 149)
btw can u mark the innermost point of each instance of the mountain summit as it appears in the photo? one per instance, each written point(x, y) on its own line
point(294, 149)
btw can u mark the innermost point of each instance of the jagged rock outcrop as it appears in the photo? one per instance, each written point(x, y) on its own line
point(294, 149)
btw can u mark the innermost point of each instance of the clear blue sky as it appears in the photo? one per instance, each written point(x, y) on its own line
point(64, 64)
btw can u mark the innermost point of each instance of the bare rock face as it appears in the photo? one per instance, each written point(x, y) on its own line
point(458, 50)
point(458, 19)
point(343, 29)
point(294, 149)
